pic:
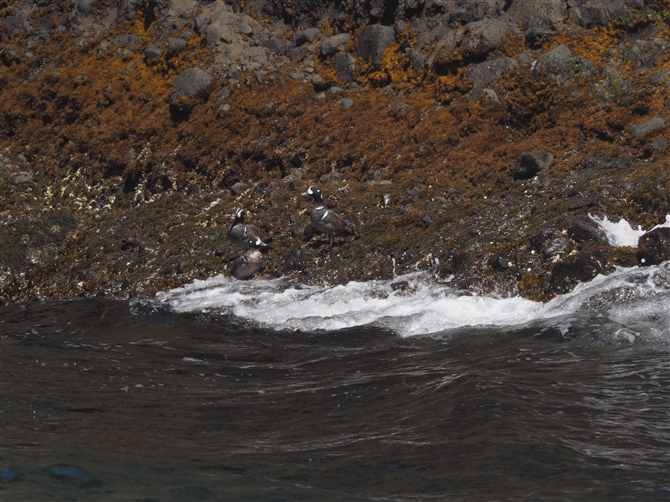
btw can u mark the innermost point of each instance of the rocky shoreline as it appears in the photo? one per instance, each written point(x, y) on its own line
point(468, 137)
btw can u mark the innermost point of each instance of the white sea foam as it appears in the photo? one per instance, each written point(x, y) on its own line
point(626, 298)
point(621, 233)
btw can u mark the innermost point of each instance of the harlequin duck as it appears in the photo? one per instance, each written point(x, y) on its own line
point(246, 266)
point(245, 236)
point(327, 221)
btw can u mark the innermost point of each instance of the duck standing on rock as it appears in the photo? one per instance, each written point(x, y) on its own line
point(325, 220)
point(245, 236)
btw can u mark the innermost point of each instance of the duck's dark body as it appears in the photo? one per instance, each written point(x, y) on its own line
point(326, 221)
point(245, 236)
point(246, 266)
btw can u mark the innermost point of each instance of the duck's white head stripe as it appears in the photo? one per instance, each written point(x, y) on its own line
point(309, 191)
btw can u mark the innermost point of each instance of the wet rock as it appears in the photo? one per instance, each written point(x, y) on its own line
point(499, 262)
point(576, 268)
point(537, 34)
point(190, 82)
point(246, 266)
point(373, 41)
point(483, 73)
point(294, 260)
point(653, 247)
point(528, 164)
point(538, 13)
point(345, 66)
point(585, 229)
point(330, 44)
point(646, 127)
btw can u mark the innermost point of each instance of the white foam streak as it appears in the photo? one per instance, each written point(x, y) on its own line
point(423, 306)
point(621, 233)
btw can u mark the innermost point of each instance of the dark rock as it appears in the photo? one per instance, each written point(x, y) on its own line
point(373, 41)
point(193, 189)
point(190, 82)
point(653, 247)
point(646, 127)
point(538, 13)
point(415, 193)
point(601, 12)
point(483, 73)
point(86, 5)
point(330, 44)
point(498, 262)
point(152, 52)
point(585, 229)
point(17, 22)
point(644, 54)
point(347, 102)
point(528, 164)
point(556, 247)
point(238, 188)
point(294, 260)
point(559, 66)
point(417, 59)
point(176, 44)
point(536, 34)
point(580, 267)
point(345, 66)
point(426, 220)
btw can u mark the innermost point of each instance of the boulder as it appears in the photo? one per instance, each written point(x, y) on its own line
point(646, 127)
point(544, 13)
point(644, 54)
point(559, 66)
point(600, 12)
point(528, 164)
point(329, 44)
point(585, 229)
point(654, 247)
point(484, 95)
point(576, 268)
point(373, 41)
point(190, 82)
point(485, 36)
point(483, 73)
point(302, 37)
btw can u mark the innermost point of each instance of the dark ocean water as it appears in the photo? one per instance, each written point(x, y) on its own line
point(106, 400)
